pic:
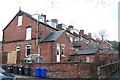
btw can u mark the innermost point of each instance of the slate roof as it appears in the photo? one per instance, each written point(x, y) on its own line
point(90, 45)
point(102, 51)
point(86, 51)
point(88, 38)
point(77, 43)
point(52, 36)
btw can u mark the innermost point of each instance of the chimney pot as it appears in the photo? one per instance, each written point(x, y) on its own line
point(70, 26)
point(55, 20)
point(81, 32)
point(89, 35)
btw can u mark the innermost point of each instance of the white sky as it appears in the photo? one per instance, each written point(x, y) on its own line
point(82, 14)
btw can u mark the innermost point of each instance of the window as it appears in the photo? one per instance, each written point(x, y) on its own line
point(19, 20)
point(87, 42)
point(87, 59)
point(81, 39)
point(28, 47)
point(38, 17)
point(53, 24)
point(77, 39)
point(28, 33)
point(41, 19)
point(64, 26)
point(71, 39)
point(63, 49)
point(18, 48)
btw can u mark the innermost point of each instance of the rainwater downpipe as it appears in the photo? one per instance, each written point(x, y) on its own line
point(38, 47)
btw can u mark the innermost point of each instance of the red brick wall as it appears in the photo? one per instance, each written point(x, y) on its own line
point(8, 47)
point(48, 49)
point(93, 58)
point(64, 39)
point(66, 70)
point(45, 51)
point(14, 32)
point(0, 53)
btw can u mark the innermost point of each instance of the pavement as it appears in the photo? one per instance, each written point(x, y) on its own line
point(23, 77)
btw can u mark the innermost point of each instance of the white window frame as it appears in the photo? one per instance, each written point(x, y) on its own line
point(81, 39)
point(58, 52)
point(87, 58)
point(28, 33)
point(18, 48)
point(28, 46)
point(19, 21)
point(63, 49)
point(53, 24)
point(71, 39)
point(41, 19)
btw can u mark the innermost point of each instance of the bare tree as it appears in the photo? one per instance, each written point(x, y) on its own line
point(102, 34)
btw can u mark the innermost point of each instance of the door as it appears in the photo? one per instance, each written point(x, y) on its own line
point(18, 54)
point(58, 52)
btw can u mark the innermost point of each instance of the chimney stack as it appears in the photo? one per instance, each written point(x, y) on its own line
point(89, 35)
point(70, 26)
point(43, 15)
point(55, 20)
point(81, 32)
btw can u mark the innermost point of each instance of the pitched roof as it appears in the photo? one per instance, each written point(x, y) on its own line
point(30, 16)
point(86, 51)
point(52, 36)
point(77, 43)
point(102, 51)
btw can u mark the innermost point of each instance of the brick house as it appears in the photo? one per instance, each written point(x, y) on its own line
point(25, 33)
point(107, 54)
point(0, 53)
point(56, 42)
point(86, 49)
point(20, 35)
point(87, 55)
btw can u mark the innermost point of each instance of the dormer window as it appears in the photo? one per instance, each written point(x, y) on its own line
point(42, 19)
point(53, 24)
point(77, 39)
point(39, 17)
point(19, 20)
point(81, 38)
point(87, 41)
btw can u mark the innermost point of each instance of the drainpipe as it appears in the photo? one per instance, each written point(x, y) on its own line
point(38, 47)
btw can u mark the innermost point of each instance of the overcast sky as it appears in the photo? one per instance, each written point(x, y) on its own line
point(82, 14)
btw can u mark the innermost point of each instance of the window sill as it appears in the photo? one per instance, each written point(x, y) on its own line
point(63, 56)
point(28, 39)
point(19, 25)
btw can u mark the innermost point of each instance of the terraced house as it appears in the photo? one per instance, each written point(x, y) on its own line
point(33, 34)
point(34, 38)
